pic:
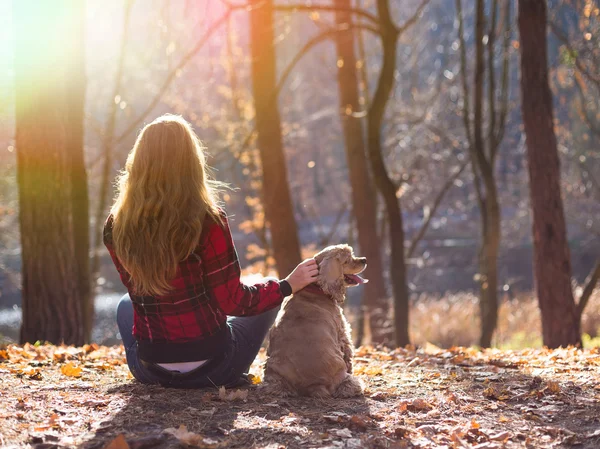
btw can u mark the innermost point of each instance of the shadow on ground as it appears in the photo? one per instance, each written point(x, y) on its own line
point(458, 398)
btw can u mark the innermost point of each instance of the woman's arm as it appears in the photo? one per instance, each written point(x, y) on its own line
point(108, 242)
point(222, 276)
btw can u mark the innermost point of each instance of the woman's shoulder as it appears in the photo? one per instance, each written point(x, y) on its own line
point(215, 218)
point(215, 224)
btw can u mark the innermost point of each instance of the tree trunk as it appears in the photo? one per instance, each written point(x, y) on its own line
point(561, 324)
point(79, 179)
point(489, 267)
point(384, 184)
point(482, 161)
point(277, 198)
point(363, 196)
point(52, 310)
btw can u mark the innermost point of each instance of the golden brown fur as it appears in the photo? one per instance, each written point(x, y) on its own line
point(310, 353)
point(164, 194)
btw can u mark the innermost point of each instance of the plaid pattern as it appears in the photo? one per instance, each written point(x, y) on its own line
point(206, 289)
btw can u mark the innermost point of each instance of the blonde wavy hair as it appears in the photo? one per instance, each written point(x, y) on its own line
point(164, 195)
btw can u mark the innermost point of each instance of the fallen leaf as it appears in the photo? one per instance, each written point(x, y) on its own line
point(4, 355)
point(190, 438)
point(237, 395)
point(342, 433)
point(379, 396)
point(486, 446)
point(333, 418)
point(254, 380)
point(553, 387)
point(31, 373)
point(431, 349)
point(493, 393)
point(502, 436)
point(593, 434)
point(416, 405)
point(359, 422)
point(90, 348)
point(292, 419)
point(118, 443)
point(71, 370)
point(95, 403)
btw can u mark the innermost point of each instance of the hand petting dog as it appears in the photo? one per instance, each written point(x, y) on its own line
point(305, 273)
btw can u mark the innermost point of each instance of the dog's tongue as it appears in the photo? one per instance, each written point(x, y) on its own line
point(357, 279)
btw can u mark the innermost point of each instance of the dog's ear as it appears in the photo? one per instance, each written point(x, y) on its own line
point(331, 277)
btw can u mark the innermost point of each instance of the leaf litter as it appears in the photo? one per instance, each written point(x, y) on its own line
point(85, 397)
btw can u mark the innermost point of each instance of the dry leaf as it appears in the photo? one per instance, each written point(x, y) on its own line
point(4, 355)
point(118, 443)
point(359, 422)
point(431, 349)
point(493, 393)
point(419, 405)
point(191, 439)
point(237, 395)
point(342, 433)
point(71, 370)
point(254, 380)
point(502, 436)
point(553, 387)
point(31, 373)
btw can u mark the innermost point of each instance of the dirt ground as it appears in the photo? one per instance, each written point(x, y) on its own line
point(55, 397)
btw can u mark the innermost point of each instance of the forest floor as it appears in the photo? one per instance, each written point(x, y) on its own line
point(55, 397)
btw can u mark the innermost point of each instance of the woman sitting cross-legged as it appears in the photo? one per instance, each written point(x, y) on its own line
point(187, 321)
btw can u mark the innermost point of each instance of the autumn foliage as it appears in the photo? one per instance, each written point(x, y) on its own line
point(424, 397)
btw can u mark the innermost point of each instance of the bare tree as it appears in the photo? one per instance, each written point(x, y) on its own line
point(483, 147)
point(385, 184)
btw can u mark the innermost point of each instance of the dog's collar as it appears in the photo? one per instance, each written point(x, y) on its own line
point(314, 288)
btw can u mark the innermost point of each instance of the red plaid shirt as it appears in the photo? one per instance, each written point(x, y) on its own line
point(206, 289)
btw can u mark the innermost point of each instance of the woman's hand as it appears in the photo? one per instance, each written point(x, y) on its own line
point(305, 273)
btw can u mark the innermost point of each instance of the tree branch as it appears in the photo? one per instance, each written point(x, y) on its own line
point(107, 149)
point(492, 144)
point(565, 40)
point(413, 19)
point(434, 207)
point(592, 125)
point(173, 73)
point(327, 8)
point(325, 239)
point(590, 285)
point(504, 94)
point(463, 71)
point(301, 53)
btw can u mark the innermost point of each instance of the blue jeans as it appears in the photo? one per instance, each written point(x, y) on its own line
point(247, 335)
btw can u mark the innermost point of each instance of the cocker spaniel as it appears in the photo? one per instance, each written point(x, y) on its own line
point(310, 350)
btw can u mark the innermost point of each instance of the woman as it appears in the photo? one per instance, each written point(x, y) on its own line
point(173, 249)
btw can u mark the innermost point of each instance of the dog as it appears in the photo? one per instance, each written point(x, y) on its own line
point(310, 350)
